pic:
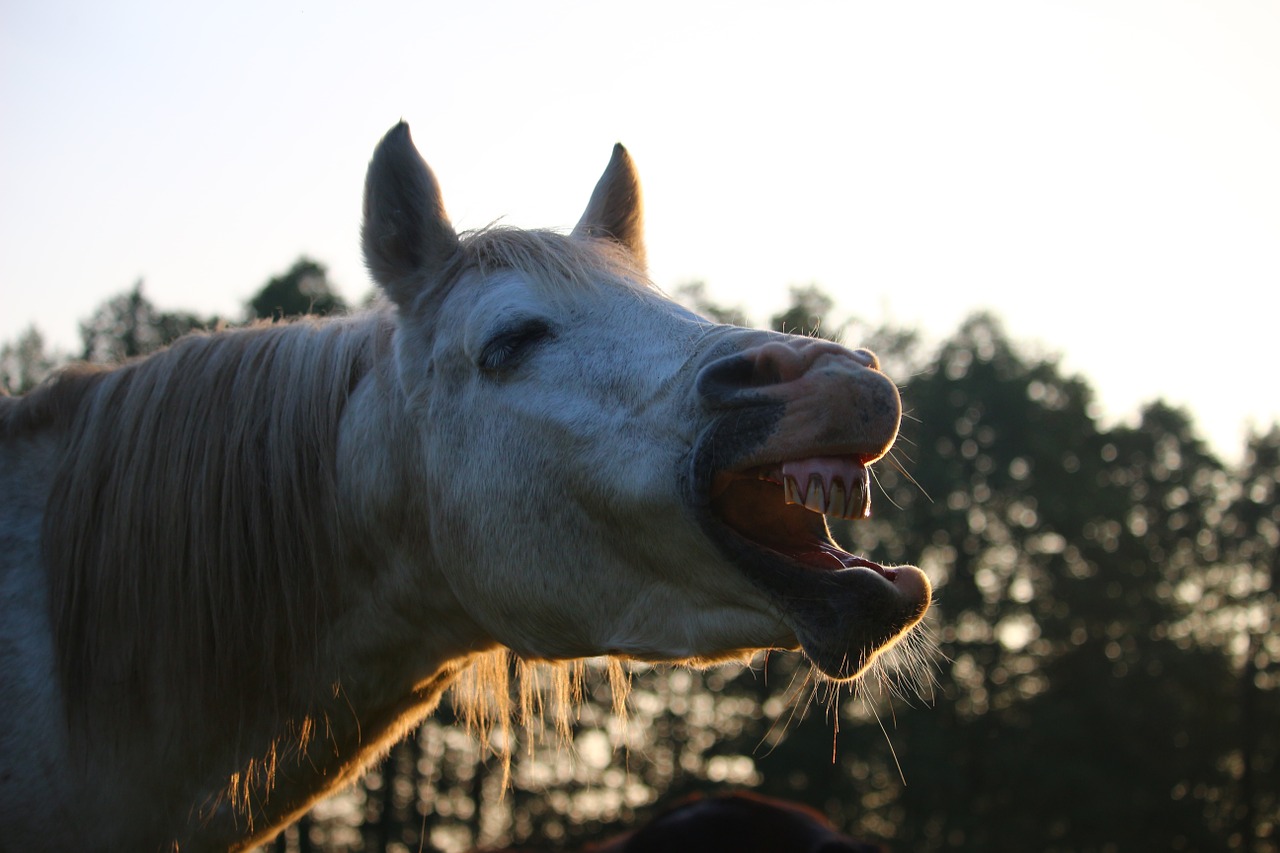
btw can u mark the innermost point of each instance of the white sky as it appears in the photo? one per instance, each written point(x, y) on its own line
point(1104, 175)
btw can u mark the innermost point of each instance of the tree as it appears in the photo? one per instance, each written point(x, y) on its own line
point(1057, 548)
point(25, 363)
point(304, 289)
point(130, 325)
point(1243, 600)
point(693, 294)
point(810, 307)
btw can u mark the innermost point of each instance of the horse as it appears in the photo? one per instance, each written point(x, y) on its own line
point(740, 822)
point(233, 573)
point(736, 822)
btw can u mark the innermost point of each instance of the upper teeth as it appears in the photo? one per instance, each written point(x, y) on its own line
point(831, 485)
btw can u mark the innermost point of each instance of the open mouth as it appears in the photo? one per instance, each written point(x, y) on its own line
point(782, 508)
point(771, 521)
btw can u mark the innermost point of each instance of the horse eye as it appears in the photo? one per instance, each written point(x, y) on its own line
point(510, 344)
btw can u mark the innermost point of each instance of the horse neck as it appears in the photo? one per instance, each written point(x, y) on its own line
point(353, 727)
point(334, 742)
point(383, 672)
point(397, 641)
point(384, 640)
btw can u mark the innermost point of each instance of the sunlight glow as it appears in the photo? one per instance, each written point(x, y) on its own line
point(1071, 164)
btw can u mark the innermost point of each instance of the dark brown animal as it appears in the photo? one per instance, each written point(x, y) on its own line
point(731, 823)
point(736, 823)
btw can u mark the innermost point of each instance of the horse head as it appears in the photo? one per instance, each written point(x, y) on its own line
point(606, 472)
point(329, 522)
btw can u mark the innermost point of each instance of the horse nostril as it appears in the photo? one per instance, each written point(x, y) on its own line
point(776, 362)
point(770, 364)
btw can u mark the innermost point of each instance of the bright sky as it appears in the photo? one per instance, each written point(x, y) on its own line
point(1105, 175)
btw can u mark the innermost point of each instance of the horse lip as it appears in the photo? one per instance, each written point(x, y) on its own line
point(823, 555)
point(842, 617)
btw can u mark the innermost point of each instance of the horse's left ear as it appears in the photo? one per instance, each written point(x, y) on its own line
point(407, 235)
point(616, 209)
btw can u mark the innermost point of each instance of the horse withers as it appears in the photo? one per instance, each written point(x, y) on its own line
point(233, 573)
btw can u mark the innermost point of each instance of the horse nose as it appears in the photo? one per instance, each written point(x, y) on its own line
point(737, 378)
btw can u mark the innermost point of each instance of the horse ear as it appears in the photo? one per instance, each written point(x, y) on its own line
point(616, 209)
point(407, 235)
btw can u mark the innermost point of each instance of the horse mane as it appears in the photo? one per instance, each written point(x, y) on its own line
point(554, 262)
point(191, 533)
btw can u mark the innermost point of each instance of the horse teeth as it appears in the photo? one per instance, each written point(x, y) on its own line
point(816, 499)
point(790, 491)
point(833, 492)
point(838, 500)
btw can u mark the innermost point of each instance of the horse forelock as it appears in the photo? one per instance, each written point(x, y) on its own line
point(191, 535)
point(557, 263)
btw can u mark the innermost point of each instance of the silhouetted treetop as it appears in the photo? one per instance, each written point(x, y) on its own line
point(304, 289)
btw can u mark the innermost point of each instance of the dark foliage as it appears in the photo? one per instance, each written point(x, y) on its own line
point(304, 289)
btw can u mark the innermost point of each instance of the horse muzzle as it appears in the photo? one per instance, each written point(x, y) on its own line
point(794, 425)
point(834, 401)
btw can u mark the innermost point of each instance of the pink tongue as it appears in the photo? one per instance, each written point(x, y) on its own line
point(834, 559)
point(843, 485)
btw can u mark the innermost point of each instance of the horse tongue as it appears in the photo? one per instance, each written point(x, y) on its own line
point(831, 485)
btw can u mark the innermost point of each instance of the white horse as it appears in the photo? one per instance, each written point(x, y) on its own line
point(233, 573)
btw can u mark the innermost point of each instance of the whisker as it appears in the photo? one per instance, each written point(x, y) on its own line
point(884, 491)
point(901, 469)
point(774, 736)
point(888, 740)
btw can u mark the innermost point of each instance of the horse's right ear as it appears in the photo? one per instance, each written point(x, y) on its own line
point(407, 235)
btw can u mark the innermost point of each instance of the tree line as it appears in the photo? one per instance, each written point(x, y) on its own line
point(1105, 613)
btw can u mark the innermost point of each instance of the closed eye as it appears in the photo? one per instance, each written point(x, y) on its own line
point(511, 344)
